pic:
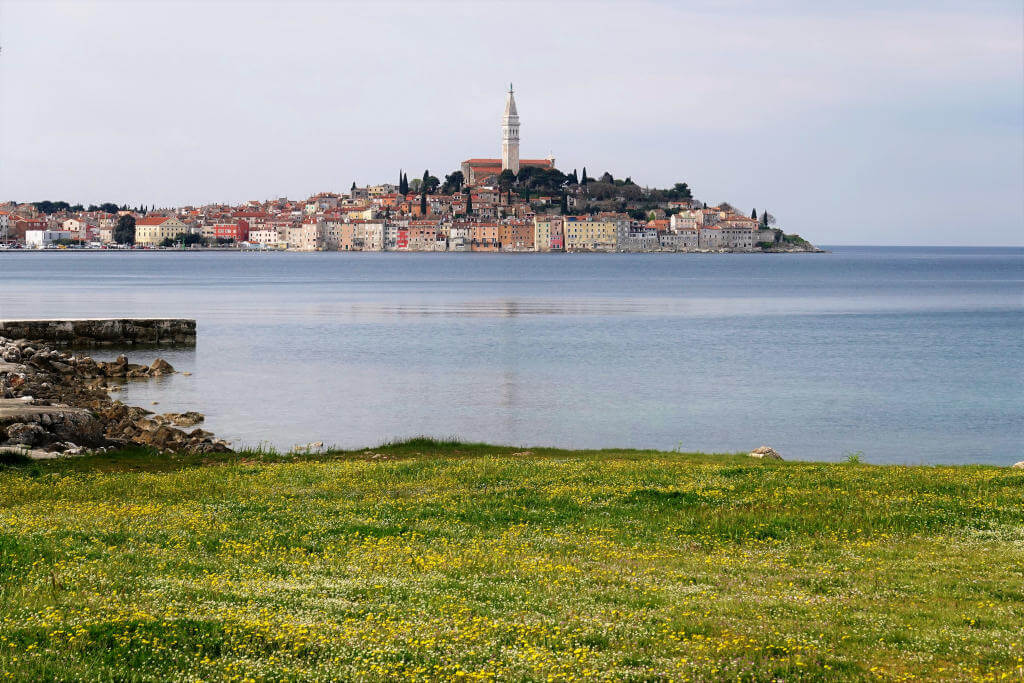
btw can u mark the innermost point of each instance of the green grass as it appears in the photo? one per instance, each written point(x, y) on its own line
point(431, 559)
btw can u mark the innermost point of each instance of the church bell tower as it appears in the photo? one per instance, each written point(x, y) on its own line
point(510, 135)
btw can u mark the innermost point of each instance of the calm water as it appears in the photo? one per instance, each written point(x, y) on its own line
point(908, 355)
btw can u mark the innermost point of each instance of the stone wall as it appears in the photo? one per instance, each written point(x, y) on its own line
point(104, 331)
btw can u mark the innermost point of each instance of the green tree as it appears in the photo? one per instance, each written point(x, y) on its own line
point(564, 205)
point(353, 188)
point(423, 204)
point(506, 179)
point(469, 203)
point(108, 207)
point(583, 178)
point(124, 231)
point(429, 184)
point(753, 214)
point(453, 183)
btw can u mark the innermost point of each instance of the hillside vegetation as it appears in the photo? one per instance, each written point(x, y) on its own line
point(428, 560)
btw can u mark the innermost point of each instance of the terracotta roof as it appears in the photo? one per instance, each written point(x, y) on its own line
point(152, 220)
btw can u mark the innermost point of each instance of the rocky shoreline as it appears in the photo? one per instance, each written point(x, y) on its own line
point(54, 404)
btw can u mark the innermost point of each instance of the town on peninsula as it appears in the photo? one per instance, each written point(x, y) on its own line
point(507, 204)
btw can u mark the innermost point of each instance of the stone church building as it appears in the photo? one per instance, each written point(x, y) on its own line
point(482, 171)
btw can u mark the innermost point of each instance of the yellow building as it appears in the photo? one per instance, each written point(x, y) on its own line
point(548, 233)
point(584, 234)
point(152, 230)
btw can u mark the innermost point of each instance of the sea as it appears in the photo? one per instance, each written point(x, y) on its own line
point(902, 355)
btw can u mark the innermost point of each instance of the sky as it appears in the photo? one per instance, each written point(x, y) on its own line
point(852, 123)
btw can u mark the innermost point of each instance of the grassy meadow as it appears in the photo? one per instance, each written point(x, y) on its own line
point(429, 560)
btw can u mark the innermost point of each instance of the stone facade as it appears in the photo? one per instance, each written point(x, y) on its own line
point(104, 331)
point(510, 135)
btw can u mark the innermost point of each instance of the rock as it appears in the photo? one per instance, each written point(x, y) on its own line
point(765, 453)
point(62, 368)
point(160, 367)
point(26, 434)
point(187, 419)
point(1018, 465)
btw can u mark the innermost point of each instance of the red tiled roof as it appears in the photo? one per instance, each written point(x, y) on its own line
point(152, 220)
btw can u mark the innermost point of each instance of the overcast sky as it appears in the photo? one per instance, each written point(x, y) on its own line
point(856, 123)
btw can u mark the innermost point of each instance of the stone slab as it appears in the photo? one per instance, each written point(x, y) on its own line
point(103, 331)
point(17, 410)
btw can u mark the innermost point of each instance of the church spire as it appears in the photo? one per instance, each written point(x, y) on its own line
point(510, 134)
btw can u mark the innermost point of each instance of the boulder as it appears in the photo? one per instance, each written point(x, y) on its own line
point(765, 453)
point(62, 368)
point(186, 419)
point(1018, 465)
point(133, 370)
point(160, 367)
point(26, 434)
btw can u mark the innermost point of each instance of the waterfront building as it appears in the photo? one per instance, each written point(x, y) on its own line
point(685, 239)
point(485, 237)
point(516, 235)
point(637, 236)
point(38, 239)
point(585, 233)
point(152, 230)
point(368, 235)
point(549, 233)
point(709, 237)
point(267, 237)
point(307, 235)
point(422, 235)
point(460, 236)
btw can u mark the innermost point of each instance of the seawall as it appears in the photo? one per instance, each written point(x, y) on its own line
point(92, 332)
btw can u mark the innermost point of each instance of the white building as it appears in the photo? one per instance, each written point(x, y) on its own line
point(44, 238)
point(267, 237)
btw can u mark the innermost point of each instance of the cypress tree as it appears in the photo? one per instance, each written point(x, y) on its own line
point(764, 218)
point(353, 186)
point(423, 204)
point(753, 214)
point(469, 204)
point(583, 179)
point(565, 205)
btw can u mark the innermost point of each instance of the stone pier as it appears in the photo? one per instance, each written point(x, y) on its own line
point(95, 332)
